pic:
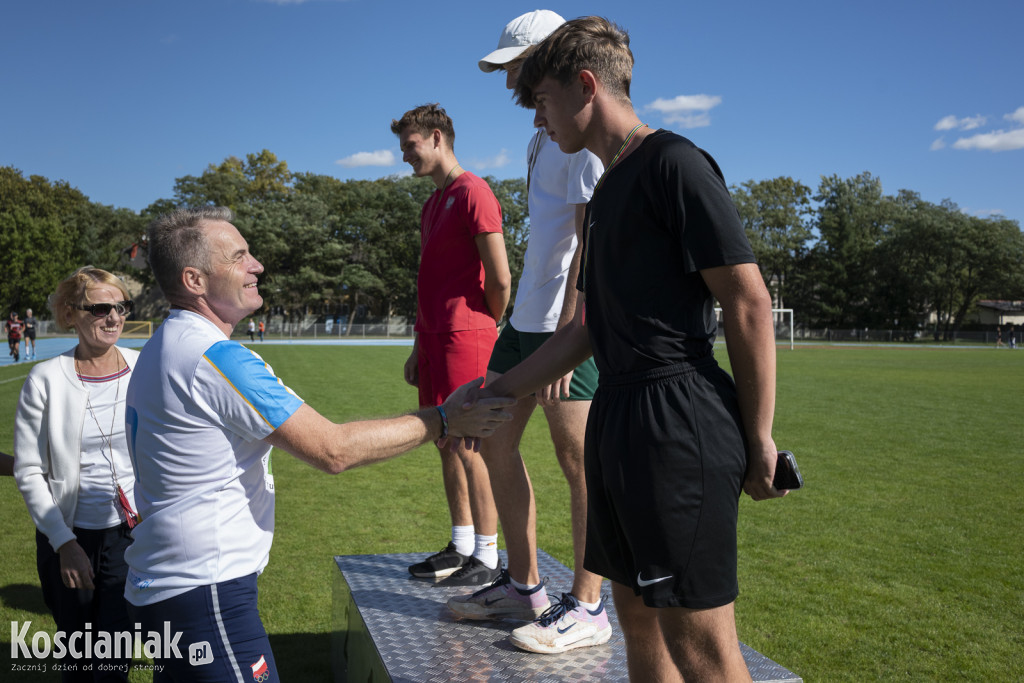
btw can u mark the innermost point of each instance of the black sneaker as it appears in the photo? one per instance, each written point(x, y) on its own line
point(473, 573)
point(440, 565)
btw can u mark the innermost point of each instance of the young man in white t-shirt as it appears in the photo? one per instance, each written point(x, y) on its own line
point(559, 187)
point(203, 413)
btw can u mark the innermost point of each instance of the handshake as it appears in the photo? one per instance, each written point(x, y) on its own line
point(473, 413)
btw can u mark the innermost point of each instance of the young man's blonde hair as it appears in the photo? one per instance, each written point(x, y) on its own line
point(74, 291)
point(424, 120)
point(588, 43)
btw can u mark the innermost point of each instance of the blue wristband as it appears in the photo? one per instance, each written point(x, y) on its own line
point(444, 422)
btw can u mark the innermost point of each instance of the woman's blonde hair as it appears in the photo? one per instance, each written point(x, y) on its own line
point(75, 288)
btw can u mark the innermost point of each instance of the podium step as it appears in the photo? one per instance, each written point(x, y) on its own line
point(389, 626)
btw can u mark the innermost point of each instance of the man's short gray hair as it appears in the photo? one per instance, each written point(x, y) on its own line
point(176, 242)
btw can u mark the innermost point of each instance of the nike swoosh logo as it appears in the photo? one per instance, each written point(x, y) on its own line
point(643, 584)
point(488, 602)
point(563, 630)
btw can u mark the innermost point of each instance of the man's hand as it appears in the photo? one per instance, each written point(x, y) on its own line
point(553, 393)
point(473, 413)
point(412, 369)
point(761, 471)
point(75, 568)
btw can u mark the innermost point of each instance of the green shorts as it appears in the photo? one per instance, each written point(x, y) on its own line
point(513, 347)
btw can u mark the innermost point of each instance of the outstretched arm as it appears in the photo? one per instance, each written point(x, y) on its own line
point(334, 447)
point(567, 348)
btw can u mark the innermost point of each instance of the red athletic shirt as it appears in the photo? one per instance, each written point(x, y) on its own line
point(451, 278)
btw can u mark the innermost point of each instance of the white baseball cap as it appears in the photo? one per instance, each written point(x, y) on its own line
point(519, 34)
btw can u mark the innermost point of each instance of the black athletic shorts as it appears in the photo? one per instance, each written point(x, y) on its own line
point(665, 462)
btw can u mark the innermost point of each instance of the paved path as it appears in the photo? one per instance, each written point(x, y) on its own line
point(49, 347)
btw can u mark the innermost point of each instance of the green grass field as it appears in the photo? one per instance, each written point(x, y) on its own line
point(901, 560)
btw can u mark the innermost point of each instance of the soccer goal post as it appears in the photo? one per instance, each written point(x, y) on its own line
point(782, 319)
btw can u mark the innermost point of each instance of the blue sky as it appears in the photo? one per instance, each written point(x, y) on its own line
point(121, 97)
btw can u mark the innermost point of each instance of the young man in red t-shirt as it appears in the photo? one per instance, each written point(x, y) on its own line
point(463, 288)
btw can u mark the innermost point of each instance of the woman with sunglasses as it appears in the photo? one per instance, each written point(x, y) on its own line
point(73, 469)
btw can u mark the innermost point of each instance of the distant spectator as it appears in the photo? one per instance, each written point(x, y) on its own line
point(14, 327)
point(30, 335)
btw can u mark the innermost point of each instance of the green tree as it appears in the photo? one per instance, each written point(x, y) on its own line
point(775, 216)
point(235, 183)
point(378, 223)
point(840, 270)
point(39, 238)
point(935, 263)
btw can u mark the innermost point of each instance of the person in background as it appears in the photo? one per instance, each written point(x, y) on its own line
point(559, 185)
point(30, 335)
point(72, 466)
point(462, 289)
point(251, 329)
point(14, 327)
point(262, 328)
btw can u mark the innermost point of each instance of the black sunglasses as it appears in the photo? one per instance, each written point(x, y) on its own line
point(123, 308)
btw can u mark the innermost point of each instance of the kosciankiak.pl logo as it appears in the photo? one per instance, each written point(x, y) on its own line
point(89, 644)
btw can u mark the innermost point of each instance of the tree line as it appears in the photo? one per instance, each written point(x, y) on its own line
point(842, 256)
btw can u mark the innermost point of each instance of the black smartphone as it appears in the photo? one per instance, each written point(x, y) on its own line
point(787, 474)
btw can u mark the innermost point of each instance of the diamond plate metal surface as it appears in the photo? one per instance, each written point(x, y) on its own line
point(388, 623)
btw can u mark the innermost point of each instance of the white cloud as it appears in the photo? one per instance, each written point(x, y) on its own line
point(968, 123)
point(993, 141)
point(687, 111)
point(499, 160)
point(996, 141)
point(382, 157)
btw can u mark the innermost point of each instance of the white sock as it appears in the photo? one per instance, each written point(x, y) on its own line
point(487, 550)
point(462, 537)
point(524, 587)
point(588, 605)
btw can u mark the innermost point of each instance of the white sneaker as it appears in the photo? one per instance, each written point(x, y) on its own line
point(566, 625)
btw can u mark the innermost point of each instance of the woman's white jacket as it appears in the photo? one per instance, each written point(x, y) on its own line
point(48, 443)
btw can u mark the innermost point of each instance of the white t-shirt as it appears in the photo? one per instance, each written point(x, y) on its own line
point(558, 182)
point(97, 506)
point(198, 409)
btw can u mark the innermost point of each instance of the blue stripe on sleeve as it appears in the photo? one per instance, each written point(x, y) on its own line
point(254, 381)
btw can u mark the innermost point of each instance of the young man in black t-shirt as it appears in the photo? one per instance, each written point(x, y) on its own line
point(671, 439)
